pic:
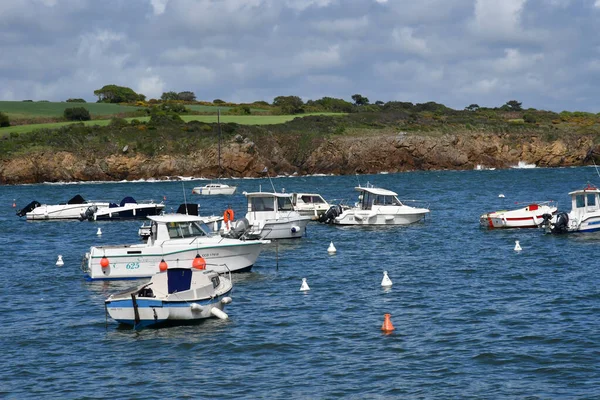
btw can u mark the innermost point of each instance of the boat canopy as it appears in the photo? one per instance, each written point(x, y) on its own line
point(175, 218)
point(376, 191)
point(267, 194)
point(78, 199)
point(127, 200)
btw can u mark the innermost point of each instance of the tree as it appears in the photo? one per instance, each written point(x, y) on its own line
point(359, 100)
point(77, 114)
point(332, 104)
point(117, 94)
point(4, 121)
point(218, 101)
point(186, 96)
point(289, 104)
point(514, 105)
point(166, 96)
point(379, 103)
point(75, 101)
point(472, 107)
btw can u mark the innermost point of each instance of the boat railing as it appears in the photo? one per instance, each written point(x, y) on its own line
point(549, 203)
point(415, 203)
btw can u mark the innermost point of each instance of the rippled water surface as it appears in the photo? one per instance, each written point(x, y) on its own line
point(473, 318)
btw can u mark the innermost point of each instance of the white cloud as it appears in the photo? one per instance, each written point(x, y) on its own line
point(152, 86)
point(497, 19)
point(514, 60)
point(159, 6)
point(314, 59)
point(348, 26)
point(597, 4)
point(302, 5)
point(405, 39)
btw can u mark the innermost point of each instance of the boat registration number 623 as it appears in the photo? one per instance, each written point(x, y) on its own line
point(132, 265)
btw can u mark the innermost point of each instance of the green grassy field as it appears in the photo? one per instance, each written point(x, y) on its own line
point(36, 109)
point(238, 119)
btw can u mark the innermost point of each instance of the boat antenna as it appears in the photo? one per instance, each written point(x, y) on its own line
point(219, 145)
point(357, 180)
point(184, 199)
point(595, 166)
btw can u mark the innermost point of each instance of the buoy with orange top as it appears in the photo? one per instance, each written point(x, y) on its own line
point(199, 262)
point(104, 263)
point(163, 265)
point(387, 326)
point(14, 203)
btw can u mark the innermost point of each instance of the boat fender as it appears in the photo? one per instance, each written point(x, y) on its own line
point(218, 313)
point(295, 229)
point(226, 300)
point(196, 307)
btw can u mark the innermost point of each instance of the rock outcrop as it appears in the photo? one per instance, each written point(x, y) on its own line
point(335, 154)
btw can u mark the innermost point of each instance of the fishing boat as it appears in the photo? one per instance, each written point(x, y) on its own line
point(216, 188)
point(173, 296)
point(583, 217)
point(310, 204)
point(72, 209)
point(176, 239)
point(127, 209)
point(375, 206)
point(530, 216)
point(271, 215)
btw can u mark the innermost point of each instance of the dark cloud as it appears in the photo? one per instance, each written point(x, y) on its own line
point(544, 53)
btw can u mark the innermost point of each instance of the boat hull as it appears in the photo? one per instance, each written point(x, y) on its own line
point(214, 191)
point(63, 211)
point(154, 312)
point(141, 261)
point(283, 229)
point(521, 218)
point(369, 217)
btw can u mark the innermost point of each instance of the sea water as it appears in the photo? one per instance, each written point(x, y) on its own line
point(473, 318)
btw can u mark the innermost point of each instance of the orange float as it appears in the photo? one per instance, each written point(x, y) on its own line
point(199, 262)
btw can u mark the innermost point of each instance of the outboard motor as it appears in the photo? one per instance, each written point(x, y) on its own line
point(238, 228)
point(328, 216)
point(88, 214)
point(562, 223)
point(29, 207)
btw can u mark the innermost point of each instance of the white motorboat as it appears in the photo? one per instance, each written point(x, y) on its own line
point(310, 204)
point(271, 215)
point(72, 209)
point(211, 221)
point(214, 189)
point(375, 206)
point(127, 209)
point(176, 239)
point(530, 216)
point(583, 217)
point(173, 296)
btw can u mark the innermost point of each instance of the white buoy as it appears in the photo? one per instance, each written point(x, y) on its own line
point(60, 261)
point(99, 233)
point(215, 226)
point(331, 249)
point(386, 281)
point(304, 287)
point(500, 195)
point(517, 246)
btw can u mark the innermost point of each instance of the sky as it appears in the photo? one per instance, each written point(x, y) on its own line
point(543, 53)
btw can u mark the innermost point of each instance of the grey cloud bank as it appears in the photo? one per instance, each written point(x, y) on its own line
point(544, 53)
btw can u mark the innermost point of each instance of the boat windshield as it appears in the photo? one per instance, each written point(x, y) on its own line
point(580, 201)
point(261, 204)
point(312, 199)
point(187, 229)
point(387, 201)
point(284, 204)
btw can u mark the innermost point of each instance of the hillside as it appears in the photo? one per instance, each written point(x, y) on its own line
point(393, 139)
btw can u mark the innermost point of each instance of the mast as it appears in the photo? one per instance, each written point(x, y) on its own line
point(219, 125)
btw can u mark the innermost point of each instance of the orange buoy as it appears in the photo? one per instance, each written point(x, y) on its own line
point(228, 216)
point(387, 326)
point(163, 265)
point(14, 203)
point(199, 262)
point(104, 263)
point(164, 198)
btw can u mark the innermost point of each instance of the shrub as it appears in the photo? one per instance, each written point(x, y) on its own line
point(218, 101)
point(75, 101)
point(4, 121)
point(77, 114)
point(530, 119)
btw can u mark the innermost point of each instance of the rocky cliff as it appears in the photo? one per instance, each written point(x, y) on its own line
point(334, 154)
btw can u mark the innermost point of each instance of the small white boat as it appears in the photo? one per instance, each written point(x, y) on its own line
point(211, 221)
point(272, 216)
point(583, 217)
point(530, 216)
point(310, 204)
point(214, 189)
point(127, 209)
point(72, 209)
point(375, 206)
point(177, 239)
point(174, 296)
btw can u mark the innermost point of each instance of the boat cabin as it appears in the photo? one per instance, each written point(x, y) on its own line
point(308, 199)
point(176, 226)
point(370, 197)
point(267, 205)
point(584, 201)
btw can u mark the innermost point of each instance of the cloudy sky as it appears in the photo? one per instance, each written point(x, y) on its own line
point(544, 53)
